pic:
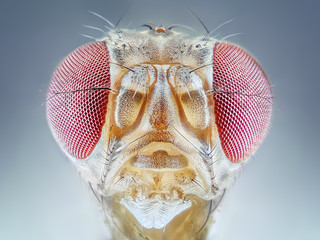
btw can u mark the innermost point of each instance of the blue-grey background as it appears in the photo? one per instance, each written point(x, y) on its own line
point(277, 195)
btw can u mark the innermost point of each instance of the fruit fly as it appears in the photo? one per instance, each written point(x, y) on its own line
point(159, 124)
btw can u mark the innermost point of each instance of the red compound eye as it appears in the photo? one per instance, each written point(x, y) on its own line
point(75, 111)
point(243, 103)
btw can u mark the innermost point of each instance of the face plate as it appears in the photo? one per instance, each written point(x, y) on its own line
point(163, 150)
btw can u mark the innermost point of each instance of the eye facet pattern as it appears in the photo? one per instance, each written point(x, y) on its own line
point(243, 101)
point(76, 109)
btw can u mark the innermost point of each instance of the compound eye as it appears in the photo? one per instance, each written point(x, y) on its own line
point(243, 101)
point(77, 99)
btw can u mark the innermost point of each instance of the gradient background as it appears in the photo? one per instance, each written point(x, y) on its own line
point(277, 195)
